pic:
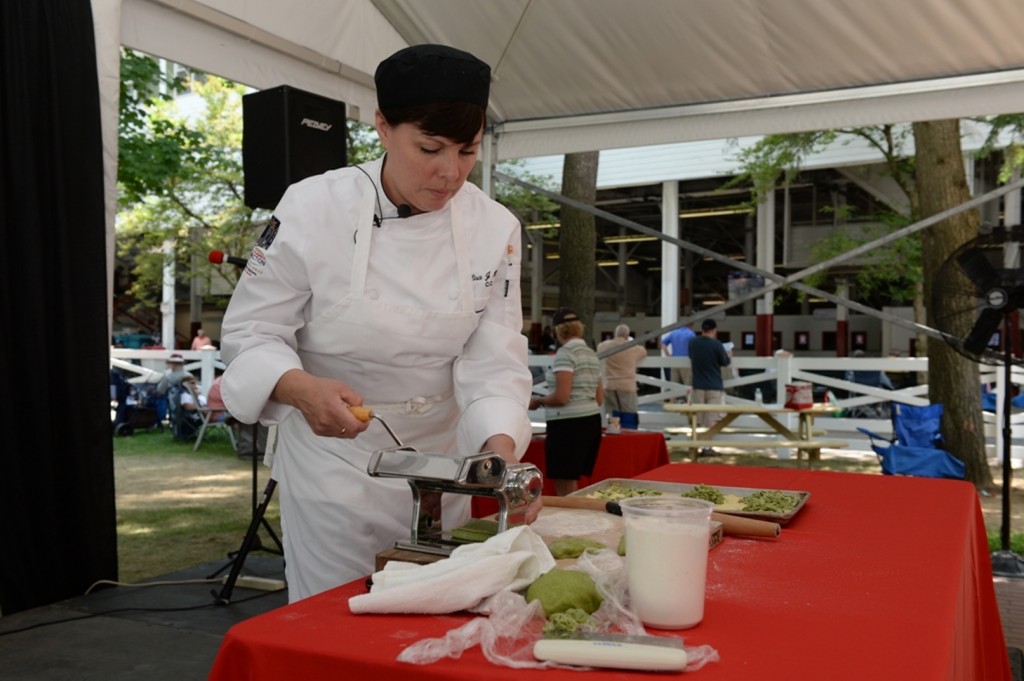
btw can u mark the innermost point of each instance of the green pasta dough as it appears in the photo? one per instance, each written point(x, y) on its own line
point(572, 547)
point(560, 590)
point(707, 493)
point(562, 624)
point(770, 501)
point(476, 530)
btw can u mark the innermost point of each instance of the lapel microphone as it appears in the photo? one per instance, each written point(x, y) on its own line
point(404, 211)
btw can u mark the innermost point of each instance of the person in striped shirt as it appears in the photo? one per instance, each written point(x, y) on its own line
point(573, 407)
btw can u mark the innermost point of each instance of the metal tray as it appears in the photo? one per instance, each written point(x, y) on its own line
point(682, 487)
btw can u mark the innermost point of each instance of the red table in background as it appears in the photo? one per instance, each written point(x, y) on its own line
point(623, 455)
point(876, 578)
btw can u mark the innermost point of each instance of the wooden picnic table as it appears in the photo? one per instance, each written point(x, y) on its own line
point(802, 439)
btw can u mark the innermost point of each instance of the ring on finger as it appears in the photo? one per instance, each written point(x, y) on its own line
point(343, 430)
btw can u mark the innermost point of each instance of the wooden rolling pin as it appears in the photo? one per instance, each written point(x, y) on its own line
point(732, 525)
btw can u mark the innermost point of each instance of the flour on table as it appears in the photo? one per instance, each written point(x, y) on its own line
point(571, 522)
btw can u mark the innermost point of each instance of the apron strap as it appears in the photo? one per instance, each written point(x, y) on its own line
point(361, 260)
point(461, 244)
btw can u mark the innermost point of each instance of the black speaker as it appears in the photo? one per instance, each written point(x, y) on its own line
point(288, 135)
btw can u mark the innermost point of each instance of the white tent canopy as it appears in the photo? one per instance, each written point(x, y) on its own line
point(576, 75)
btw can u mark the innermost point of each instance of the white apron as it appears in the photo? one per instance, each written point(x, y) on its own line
point(335, 517)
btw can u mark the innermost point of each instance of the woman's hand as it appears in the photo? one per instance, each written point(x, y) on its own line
point(323, 402)
point(533, 510)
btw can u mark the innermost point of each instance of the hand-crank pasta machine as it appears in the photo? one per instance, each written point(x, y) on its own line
point(514, 486)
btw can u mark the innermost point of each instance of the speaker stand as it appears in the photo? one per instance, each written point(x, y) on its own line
point(251, 541)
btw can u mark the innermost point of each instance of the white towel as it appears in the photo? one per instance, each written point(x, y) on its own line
point(510, 561)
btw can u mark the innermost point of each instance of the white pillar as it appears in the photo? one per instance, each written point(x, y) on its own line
point(766, 246)
point(669, 253)
point(167, 311)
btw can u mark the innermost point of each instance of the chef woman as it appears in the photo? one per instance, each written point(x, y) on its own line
point(393, 285)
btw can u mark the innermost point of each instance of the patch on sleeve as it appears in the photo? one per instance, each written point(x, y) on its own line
point(257, 261)
point(269, 233)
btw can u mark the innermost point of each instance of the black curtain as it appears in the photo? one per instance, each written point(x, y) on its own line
point(59, 531)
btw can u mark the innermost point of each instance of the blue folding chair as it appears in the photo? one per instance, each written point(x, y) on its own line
point(916, 445)
point(988, 401)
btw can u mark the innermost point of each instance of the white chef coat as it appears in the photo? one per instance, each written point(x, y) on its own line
point(422, 316)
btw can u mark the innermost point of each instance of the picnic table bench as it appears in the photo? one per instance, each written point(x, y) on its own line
point(784, 437)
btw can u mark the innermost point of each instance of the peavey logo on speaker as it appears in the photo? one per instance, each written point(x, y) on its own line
point(317, 125)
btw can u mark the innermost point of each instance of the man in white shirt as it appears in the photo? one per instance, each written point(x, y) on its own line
point(620, 376)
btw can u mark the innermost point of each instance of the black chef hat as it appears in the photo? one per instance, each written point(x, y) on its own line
point(427, 74)
point(562, 316)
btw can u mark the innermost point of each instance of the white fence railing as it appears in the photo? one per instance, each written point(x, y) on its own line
point(149, 365)
point(825, 373)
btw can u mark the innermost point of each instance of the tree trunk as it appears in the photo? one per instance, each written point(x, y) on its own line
point(953, 379)
point(577, 239)
point(920, 317)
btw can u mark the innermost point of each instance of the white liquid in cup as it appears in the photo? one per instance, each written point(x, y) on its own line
point(666, 559)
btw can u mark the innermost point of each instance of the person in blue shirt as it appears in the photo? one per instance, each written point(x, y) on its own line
point(676, 343)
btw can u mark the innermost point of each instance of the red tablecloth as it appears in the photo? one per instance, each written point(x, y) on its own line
point(623, 455)
point(876, 578)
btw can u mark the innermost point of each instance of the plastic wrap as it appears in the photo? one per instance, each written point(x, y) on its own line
point(511, 626)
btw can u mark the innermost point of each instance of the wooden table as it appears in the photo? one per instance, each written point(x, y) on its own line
point(802, 439)
point(877, 577)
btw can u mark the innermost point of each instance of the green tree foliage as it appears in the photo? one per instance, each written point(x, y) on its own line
point(362, 143)
point(192, 196)
point(891, 273)
point(529, 206)
point(776, 159)
point(149, 150)
point(1007, 135)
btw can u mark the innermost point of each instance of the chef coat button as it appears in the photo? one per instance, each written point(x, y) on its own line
point(373, 294)
point(453, 294)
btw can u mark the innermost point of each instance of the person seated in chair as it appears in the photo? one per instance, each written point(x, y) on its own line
point(170, 379)
point(184, 403)
point(191, 398)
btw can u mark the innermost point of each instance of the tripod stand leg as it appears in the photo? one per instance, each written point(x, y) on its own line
point(270, 530)
point(224, 597)
point(254, 456)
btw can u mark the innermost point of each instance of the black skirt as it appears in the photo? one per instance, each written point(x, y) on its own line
point(571, 447)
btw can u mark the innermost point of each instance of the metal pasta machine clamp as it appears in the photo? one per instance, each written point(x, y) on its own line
point(514, 486)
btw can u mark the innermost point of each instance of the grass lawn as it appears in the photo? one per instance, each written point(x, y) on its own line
point(177, 508)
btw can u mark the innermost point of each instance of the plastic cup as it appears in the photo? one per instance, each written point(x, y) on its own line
point(667, 558)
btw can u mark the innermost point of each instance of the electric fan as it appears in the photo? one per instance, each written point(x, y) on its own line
point(973, 293)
